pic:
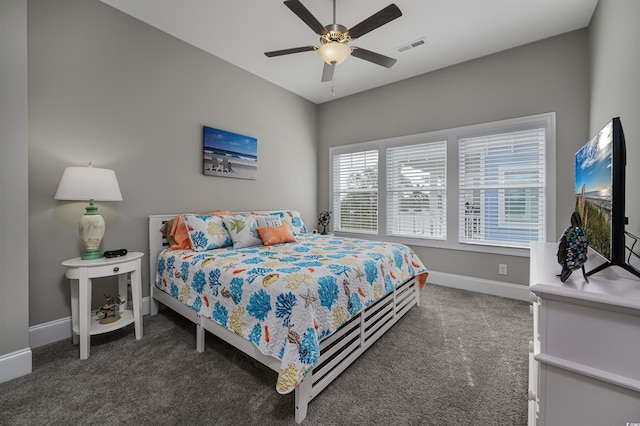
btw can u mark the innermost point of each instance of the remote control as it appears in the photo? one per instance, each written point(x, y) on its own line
point(115, 253)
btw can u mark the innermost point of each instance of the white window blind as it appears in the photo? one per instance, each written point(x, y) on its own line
point(417, 191)
point(501, 188)
point(355, 192)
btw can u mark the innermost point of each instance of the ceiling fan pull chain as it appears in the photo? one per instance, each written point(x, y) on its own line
point(333, 90)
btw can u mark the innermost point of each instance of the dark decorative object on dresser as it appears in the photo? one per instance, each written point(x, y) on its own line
point(572, 248)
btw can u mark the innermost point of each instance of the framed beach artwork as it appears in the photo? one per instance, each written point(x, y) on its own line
point(229, 154)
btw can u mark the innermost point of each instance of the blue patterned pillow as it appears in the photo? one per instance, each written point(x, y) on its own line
point(206, 232)
point(297, 225)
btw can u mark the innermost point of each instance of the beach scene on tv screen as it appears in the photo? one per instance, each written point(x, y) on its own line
point(594, 189)
point(229, 154)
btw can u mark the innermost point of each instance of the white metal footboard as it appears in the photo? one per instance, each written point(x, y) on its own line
point(337, 351)
point(343, 347)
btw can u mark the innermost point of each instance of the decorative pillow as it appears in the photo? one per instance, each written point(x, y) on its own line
point(215, 213)
point(268, 221)
point(291, 218)
point(276, 235)
point(206, 232)
point(242, 229)
point(179, 234)
point(297, 225)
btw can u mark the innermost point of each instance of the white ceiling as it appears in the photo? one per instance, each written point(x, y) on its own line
point(240, 31)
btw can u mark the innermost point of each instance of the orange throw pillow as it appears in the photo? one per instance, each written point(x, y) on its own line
point(180, 233)
point(276, 235)
point(216, 213)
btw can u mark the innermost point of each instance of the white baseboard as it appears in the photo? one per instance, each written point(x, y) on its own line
point(480, 285)
point(53, 331)
point(49, 332)
point(15, 364)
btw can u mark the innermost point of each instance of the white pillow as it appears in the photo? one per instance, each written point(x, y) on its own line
point(268, 221)
point(206, 232)
point(243, 230)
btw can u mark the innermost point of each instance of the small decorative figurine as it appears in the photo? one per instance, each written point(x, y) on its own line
point(324, 219)
point(572, 248)
point(110, 309)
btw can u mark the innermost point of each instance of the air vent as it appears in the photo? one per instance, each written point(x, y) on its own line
point(419, 42)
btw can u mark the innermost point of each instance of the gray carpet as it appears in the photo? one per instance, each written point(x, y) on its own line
point(458, 359)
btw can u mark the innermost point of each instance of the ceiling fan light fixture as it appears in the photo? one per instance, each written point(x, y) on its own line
point(334, 52)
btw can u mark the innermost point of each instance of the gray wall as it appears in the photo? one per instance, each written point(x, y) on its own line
point(14, 227)
point(108, 88)
point(615, 86)
point(549, 75)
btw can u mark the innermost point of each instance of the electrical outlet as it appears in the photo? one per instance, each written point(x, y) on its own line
point(502, 269)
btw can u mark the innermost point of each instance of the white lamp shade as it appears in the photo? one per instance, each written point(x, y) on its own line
point(88, 183)
point(334, 52)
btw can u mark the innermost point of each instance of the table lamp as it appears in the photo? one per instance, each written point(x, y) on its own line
point(92, 184)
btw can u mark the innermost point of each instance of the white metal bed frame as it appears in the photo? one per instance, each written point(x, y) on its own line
point(337, 351)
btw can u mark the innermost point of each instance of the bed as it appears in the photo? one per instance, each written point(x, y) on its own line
point(305, 305)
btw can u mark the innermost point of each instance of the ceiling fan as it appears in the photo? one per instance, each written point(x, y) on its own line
point(334, 37)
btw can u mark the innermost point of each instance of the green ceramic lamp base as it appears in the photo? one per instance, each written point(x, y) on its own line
point(91, 232)
point(90, 254)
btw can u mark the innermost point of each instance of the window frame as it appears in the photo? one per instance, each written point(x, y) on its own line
point(547, 121)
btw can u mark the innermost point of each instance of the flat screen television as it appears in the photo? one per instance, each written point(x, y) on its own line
point(600, 194)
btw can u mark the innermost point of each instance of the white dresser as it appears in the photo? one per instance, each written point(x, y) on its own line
point(584, 365)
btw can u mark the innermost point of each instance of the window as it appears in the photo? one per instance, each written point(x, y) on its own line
point(501, 190)
point(519, 205)
point(355, 192)
point(483, 188)
point(417, 191)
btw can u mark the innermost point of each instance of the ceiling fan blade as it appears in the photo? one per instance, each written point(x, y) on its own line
point(327, 72)
point(304, 14)
point(374, 21)
point(289, 51)
point(374, 57)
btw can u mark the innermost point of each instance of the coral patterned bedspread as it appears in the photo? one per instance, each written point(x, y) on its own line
point(285, 298)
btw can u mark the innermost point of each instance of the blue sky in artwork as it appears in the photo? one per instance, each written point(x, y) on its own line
point(220, 139)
